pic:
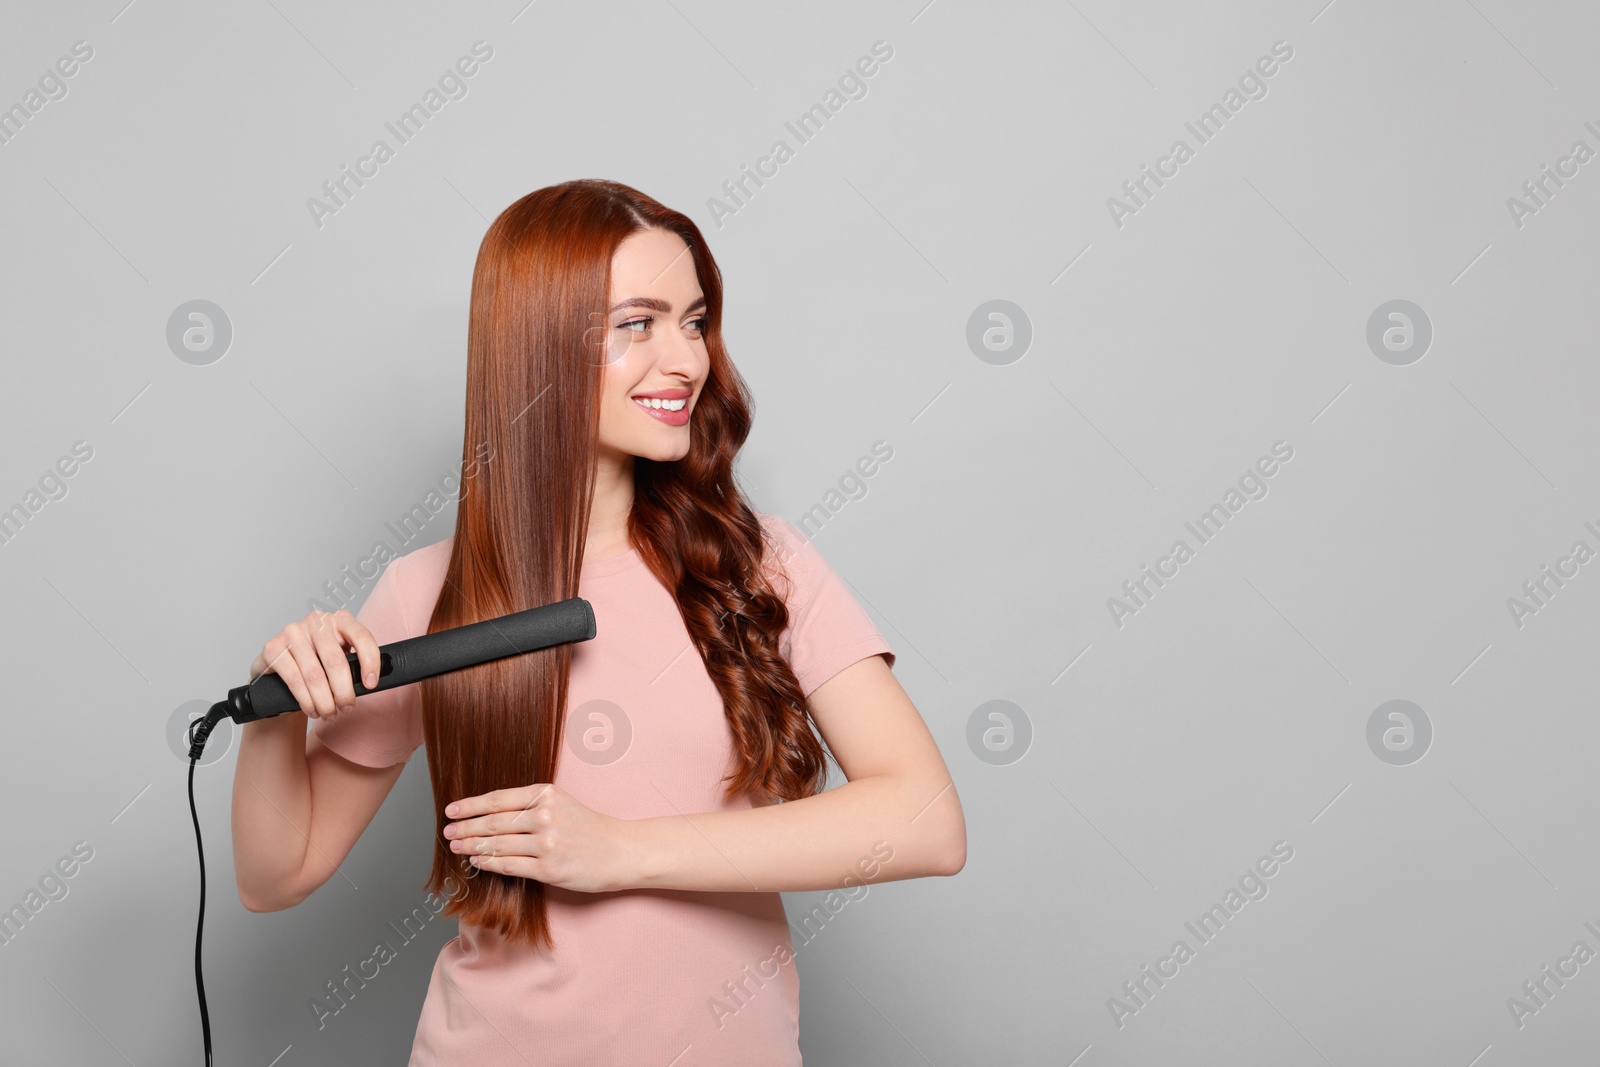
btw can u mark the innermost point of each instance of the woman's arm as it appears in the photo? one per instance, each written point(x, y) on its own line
point(298, 808)
point(899, 802)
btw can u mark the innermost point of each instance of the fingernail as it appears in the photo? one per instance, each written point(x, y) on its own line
point(348, 707)
point(372, 679)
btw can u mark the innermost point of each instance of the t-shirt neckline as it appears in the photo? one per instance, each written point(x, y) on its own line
point(600, 568)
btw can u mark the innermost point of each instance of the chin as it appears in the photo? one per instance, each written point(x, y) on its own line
point(665, 453)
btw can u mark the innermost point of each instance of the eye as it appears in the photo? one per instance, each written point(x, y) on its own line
point(701, 323)
point(645, 322)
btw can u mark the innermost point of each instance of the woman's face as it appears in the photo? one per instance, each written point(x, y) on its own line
point(655, 347)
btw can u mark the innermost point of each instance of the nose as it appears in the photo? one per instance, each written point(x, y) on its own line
point(682, 356)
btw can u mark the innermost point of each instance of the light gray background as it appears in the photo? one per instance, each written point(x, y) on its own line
point(1168, 354)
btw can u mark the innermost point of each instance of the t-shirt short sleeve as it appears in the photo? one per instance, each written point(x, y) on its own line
point(385, 727)
point(828, 628)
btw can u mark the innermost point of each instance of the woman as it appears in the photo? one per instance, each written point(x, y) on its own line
point(610, 836)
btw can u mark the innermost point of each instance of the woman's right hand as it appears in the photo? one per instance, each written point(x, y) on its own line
point(310, 656)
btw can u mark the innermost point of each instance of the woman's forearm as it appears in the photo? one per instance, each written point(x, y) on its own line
point(271, 797)
point(873, 829)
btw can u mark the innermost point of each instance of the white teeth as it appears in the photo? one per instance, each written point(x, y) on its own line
point(661, 405)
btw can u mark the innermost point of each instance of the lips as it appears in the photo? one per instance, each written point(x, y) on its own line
point(671, 418)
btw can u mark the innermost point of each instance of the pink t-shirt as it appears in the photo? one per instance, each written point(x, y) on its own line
point(680, 977)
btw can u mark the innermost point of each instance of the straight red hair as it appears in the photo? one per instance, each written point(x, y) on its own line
point(536, 352)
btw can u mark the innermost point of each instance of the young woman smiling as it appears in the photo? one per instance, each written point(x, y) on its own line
point(621, 813)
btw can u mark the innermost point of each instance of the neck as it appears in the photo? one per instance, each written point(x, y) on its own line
point(610, 507)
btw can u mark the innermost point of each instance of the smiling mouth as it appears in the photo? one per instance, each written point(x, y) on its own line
point(671, 412)
point(657, 404)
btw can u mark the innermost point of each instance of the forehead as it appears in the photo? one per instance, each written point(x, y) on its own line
point(653, 262)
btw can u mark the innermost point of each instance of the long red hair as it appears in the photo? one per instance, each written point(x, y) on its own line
point(536, 352)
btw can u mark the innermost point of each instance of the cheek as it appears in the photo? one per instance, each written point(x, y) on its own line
point(620, 348)
point(615, 418)
point(614, 415)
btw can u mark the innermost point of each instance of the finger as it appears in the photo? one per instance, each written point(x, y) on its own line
point(538, 803)
point(523, 821)
point(330, 648)
point(482, 826)
point(517, 866)
point(465, 806)
point(497, 845)
point(270, 656)
point(310, 664)
point(368, 657)
point(498, 800)
point(283, 665)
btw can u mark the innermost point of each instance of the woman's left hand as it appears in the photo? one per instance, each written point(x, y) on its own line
point(541, 831)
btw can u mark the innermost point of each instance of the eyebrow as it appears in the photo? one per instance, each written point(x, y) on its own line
point(656, 305)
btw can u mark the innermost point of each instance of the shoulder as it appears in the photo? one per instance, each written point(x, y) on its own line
point(780, 535)
point(428, 558)
point(784, 546)
point(410, 582)
point(421, 567)
point(790, 557)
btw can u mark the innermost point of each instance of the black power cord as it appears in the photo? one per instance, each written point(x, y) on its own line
point(199, 732)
